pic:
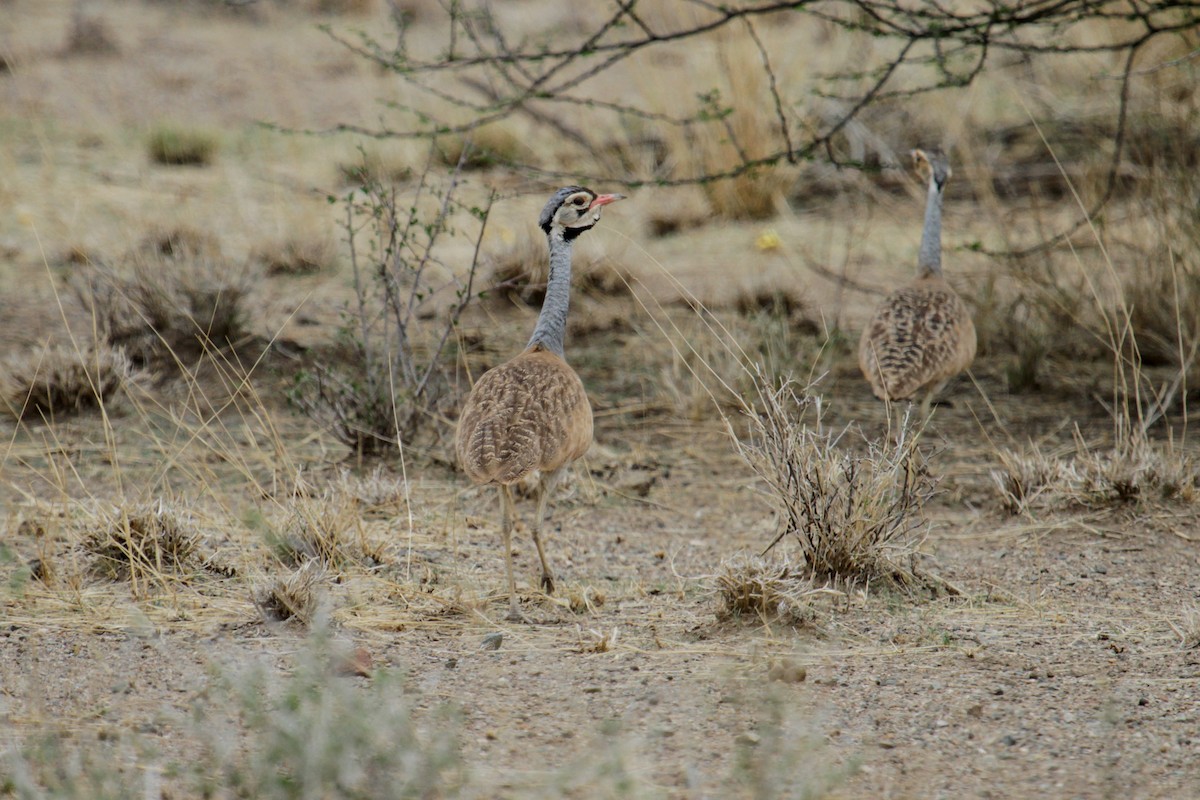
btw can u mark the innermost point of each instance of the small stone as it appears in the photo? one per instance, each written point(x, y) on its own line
point(358, 663)
point(787, 671)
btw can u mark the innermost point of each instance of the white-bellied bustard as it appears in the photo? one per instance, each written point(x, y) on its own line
point(922, 335)
point(531, 413)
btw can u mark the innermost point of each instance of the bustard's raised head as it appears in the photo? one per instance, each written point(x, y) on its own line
point(932, 165)
point(574, 209)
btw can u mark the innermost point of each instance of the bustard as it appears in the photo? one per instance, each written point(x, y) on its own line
point(922, 335)
point(531, 413)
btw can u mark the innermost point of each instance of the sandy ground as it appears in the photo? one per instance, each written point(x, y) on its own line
point(1067, 667)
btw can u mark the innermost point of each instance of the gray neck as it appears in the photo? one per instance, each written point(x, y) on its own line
point(552, 322)
point(929, 258)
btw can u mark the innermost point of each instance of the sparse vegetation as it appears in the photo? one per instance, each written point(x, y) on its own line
point(393, 372)
point(141, 543)
point(325, 528)
point(484, 147)
point(174, 296)
point(678, 659)
point(853, 517)
point(1136, 471)
point(61, 380)
point(755, 587)
point(89, 33)
point(181, 147)
point(295, 596)
point(310, 254)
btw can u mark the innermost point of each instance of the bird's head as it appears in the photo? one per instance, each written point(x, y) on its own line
point(574, 209)
point(932, 165)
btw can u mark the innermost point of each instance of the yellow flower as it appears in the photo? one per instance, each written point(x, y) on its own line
point(768, 240)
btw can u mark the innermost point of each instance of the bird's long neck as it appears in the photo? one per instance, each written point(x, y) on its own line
point(552, 322)
point(929, 258)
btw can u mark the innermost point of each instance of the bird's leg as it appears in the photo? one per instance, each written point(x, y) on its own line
point(926, 404)
point(507, 515)
point(548, 482)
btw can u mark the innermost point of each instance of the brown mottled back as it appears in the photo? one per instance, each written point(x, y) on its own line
point(918, 338)
point(530, 413)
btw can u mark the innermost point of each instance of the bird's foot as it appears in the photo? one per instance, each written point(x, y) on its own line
point(548, 583)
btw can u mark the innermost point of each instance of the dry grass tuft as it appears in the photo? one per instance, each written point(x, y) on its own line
point(294, 596)
point(1188, 629)
point(297, 255)
point(140, 543)
point(676, 212)
point(326, 528)
point(1134, 472)
point(766, 589)
point(486, 146)
point(379, 166)
point(595, 641)
point(61, 380)
point(518, 271)
point(854, 516)
point(706, 369)
point(177, 294)
point(585, 600)
point(356, 8)
point(181, 147)
point(89, 35)
point(377, 492)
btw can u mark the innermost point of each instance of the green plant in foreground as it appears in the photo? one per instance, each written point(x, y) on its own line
point(317, 733)
point(314, 732)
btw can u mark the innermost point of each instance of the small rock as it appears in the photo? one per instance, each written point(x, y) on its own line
point(787, 671)
point(357, 663)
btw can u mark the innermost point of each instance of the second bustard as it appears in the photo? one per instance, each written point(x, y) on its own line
point(531, 413)
point(922, 335)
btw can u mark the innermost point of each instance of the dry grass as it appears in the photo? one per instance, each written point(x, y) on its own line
point(344, 7)
point(1188, 629)
point(768, 589)
point(295, 596)
point(853, 516)
point(175, 146)
point(1135, 472)
point(517, 269)
point(89, 34)
point(176, 295)
point(706, 367)
point(300, 254)
point(326, 528)
point(378, 492)
point(377, 164)
point(487, 146)
point(56, 381)
point(140, 543)
point(739, 121)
